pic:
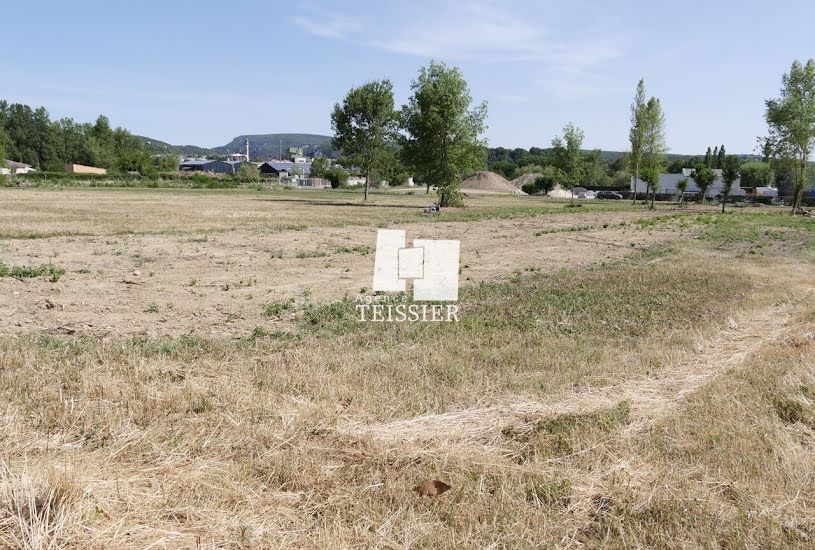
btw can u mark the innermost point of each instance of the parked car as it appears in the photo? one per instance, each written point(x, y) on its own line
point(777, 201)
point(582, 195)
point(613, 195)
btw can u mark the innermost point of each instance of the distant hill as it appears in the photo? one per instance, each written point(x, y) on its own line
point(159, 147)
point(271, 145)
point(264, 146)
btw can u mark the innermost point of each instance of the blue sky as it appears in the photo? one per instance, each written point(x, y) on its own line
point(203, 72)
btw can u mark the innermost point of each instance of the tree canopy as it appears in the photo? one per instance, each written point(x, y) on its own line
point(443, 141)
point(32, 138)
point(654, 146)
point(568, 155)
point(791, 121)
point(364, 124)
point(637, 131)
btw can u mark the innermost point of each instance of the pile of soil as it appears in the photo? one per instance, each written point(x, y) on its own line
point(489, 182)
point(520, 181)
point(560, 193)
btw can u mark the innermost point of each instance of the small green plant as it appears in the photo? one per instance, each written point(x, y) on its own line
point(151, 308)
point(790, 411)
point(53, 273)
point(312, 254)
point(363, 250)
point(259, 332)
point(276, 309)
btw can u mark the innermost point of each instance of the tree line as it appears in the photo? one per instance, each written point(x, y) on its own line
point(30, 136)
point(436, 135)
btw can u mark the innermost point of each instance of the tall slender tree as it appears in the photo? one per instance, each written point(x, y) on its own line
point(364, 124)
point(636, 132)
point(791, 121)
point(709, 158)
point(720, 160)
point(654, 145)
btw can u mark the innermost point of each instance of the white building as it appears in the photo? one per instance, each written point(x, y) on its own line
point(13, 167)
point(355, 180)
point(668, 182)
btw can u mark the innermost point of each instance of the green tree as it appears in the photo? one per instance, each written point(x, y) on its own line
point(318, 167)
point(704, 178)
point(654, 145)
point(248, 172)
point(675, 167)
point(2, 146)
point(636, 132)
point(682, 185)
point(791, 121)
point(168, 163)
point(443, 131)
point(31, 137)
point(709, 158)
point(730, 173)
point(650, 175)
point(720, 159)
point(569, 156)
point(364, 124)
point(757, 174)
point(595, 169)
point(547, 179)
point(393, 169)
point(337, 177)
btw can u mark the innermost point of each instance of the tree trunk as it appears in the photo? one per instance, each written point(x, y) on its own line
point(724, 199)
point(798, 186)
point(366, 188)
point(653, 198)
point(428, 190)
point(636, 180)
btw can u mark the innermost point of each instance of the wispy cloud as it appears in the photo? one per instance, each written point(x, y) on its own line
point(482, 30)
point(329, 26)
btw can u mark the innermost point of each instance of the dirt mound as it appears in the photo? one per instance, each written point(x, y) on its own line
point(489, 182)
point(520, 181)
point(560, 193)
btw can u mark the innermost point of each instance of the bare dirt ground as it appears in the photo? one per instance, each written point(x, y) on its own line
point(663, 400)
point(176, 274)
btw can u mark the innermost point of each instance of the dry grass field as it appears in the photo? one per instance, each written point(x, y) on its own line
point(183, 369)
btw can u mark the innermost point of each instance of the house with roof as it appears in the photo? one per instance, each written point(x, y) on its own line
point(13, 167)
point(668, 185)
point(284, 169)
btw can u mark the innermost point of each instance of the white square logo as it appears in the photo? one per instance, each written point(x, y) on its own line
point(432, 265)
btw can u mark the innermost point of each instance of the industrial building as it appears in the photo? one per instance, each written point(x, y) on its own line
point(211, 166)
point(284, 169)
